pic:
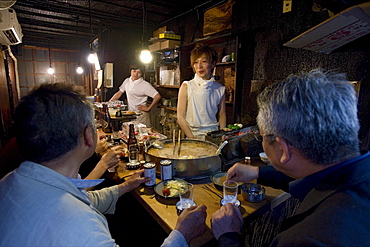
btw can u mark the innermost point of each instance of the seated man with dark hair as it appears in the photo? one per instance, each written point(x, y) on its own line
point(44, 201)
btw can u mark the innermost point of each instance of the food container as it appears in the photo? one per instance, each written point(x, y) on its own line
point(253, 192)
point(149, 172)
point(166, 169)
point(218, 179)
point(264, 158)
point(200, 166)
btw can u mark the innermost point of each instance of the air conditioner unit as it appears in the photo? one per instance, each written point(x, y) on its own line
point(10, 30)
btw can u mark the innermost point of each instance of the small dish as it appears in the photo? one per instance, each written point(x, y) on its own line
point(162, 185)
point(218, 179)
point(264, 158)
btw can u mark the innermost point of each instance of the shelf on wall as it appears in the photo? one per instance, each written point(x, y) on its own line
point(225, 63)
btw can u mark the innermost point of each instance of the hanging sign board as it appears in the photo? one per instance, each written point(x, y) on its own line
point(336, 31)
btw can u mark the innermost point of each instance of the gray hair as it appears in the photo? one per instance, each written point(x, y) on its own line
point(50, 120)
point(315, 112)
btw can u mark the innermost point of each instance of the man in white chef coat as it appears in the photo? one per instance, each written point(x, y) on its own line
point(137, 91)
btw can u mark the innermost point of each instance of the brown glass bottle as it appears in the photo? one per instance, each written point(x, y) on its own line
point(132, 144)
point(108, 129)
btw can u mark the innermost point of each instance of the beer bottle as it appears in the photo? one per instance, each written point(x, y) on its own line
point(108, 129)
point(132, 145)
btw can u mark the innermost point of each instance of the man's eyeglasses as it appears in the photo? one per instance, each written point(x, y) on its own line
point(259, 137)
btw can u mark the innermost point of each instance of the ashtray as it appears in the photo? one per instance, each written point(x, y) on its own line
point(179, 207)
point(253, 192)
point(222, 203)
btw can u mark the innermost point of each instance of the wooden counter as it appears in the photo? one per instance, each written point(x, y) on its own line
point(164, 210)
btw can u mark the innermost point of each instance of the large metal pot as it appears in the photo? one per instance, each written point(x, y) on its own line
point(196, 168)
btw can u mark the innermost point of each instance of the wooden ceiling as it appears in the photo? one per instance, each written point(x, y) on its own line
point(68, 24)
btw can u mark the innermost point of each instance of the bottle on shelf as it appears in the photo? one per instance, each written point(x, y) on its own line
point(97, 95)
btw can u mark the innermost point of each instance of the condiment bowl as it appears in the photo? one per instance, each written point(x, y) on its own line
point(264, 158)
point(253, 192)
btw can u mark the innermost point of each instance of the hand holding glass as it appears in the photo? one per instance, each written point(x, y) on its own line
point(187, 198)
point(230, 191)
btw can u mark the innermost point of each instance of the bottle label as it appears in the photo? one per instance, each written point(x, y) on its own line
point(133, 153)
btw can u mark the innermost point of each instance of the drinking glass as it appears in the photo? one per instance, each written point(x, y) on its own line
point(187, 198)
point(112, 111)
point(133, 154)
point(230, 191)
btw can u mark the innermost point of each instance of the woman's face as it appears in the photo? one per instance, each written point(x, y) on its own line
point(203, 67)
point(135, 74)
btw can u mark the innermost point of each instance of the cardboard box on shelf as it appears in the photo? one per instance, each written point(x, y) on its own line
point(169, 36)
point(169, 44)
point(159, 30)
point(155, 47)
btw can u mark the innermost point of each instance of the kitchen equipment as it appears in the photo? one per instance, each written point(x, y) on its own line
point(253, 192)
point(158, 144)
point(197, 167)
point(222, 145)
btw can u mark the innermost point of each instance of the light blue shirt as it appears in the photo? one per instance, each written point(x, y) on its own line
point(40, 207)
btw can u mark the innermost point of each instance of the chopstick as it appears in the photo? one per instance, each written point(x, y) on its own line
point(211, 190)
point(178, 143)
point(174, 142)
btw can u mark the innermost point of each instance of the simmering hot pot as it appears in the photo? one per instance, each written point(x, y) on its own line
point(197, 158)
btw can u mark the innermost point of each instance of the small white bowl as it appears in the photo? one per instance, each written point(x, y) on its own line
point(264, 158)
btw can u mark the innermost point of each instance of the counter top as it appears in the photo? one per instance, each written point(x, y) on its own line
point(165, 213)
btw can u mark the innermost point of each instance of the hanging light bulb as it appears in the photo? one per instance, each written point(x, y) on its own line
point(51, 70)
point(79, 69)
point(92, 57)
point(146, 56)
